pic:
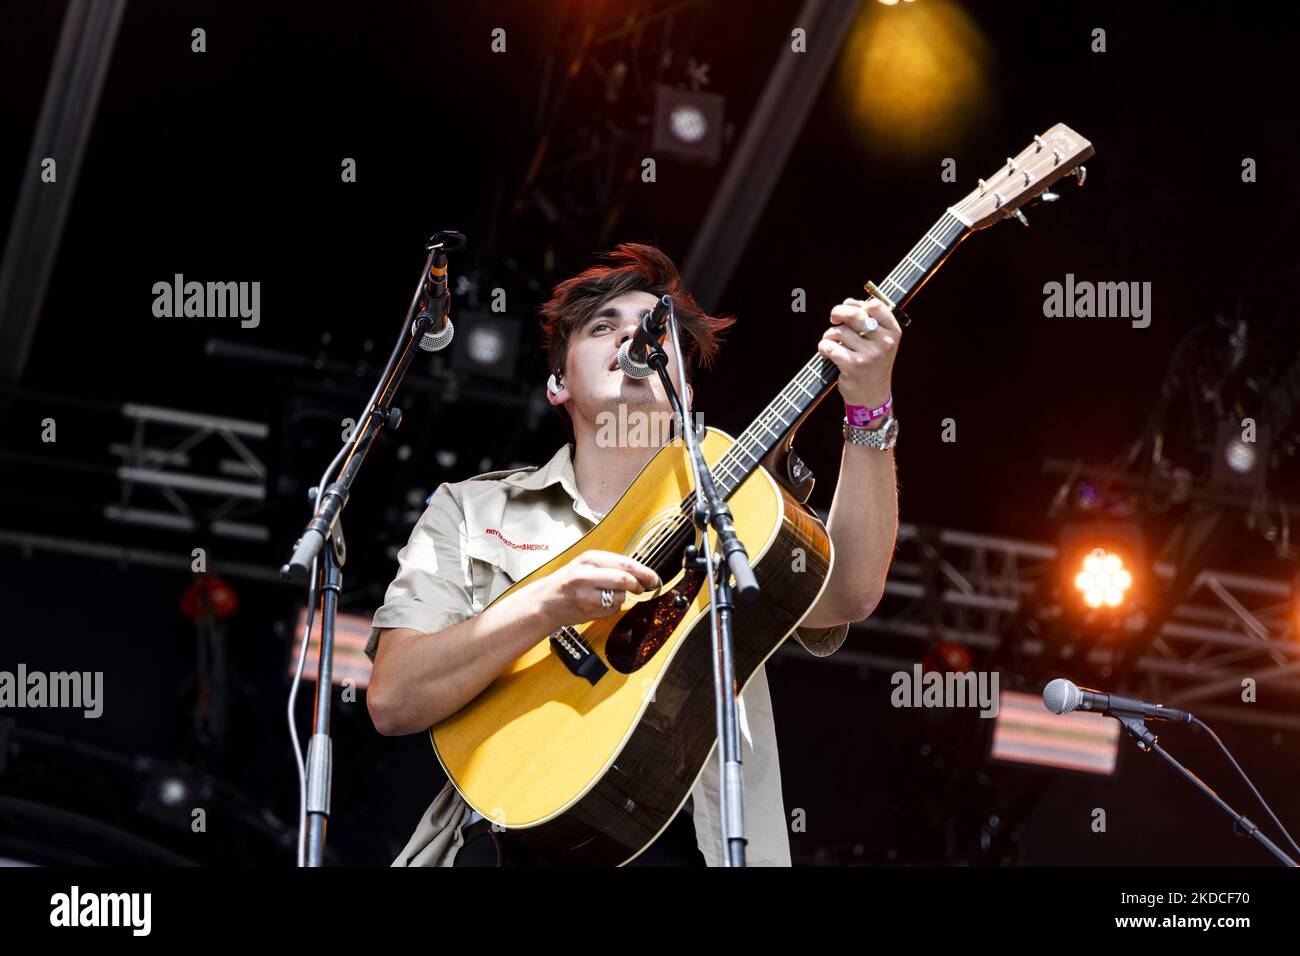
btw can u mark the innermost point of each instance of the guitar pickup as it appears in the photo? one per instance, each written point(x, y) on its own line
point(580, 659)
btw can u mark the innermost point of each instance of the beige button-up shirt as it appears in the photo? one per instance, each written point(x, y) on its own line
point(478, 537)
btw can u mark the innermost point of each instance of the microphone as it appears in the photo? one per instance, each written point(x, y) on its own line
point(435, 307)
point(633, 355)
point(1063, 696)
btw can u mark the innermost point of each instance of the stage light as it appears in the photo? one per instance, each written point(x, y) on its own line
point(172, 792)
point(486, 344)
point(351, 632)
point(1024, 732)
point(169, 793)
point(688, 125)
point(1100, 561)
point(1240, 457)
point(1240, 464)
point(1104, 579)
point(914, 80)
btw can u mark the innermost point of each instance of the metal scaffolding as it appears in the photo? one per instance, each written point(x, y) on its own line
point(975, 590)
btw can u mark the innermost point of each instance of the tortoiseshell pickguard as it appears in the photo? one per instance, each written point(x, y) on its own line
point(647, 627)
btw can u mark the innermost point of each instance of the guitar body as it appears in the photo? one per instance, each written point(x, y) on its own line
point(588, 770)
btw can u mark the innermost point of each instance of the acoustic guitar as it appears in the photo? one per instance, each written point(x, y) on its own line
point(589, 743)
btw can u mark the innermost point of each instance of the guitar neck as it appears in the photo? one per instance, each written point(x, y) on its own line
point(818, 376)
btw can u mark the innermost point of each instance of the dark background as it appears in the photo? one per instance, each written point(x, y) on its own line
point(225, 166)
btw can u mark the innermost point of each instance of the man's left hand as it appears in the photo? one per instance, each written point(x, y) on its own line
point(865, 359)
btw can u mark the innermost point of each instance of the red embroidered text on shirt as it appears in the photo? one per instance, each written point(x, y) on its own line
point(518, 547)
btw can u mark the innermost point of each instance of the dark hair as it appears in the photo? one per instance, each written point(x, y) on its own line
point(632, 267)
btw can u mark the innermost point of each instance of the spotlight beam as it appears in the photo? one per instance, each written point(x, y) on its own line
point(760, 157)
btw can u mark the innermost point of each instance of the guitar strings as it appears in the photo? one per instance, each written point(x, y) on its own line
point(669, 538)
point(666, 539)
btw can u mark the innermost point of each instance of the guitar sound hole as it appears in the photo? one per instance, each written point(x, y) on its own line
point(644, 629)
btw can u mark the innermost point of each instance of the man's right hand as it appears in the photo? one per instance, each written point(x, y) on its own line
point(571, 595)
point(421, 678)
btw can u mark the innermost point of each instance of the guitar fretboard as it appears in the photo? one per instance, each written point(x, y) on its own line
point(817, 377)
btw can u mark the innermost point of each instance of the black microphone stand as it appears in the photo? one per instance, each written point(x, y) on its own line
point(711, 510)
point(1146, 741)
point(429, 305)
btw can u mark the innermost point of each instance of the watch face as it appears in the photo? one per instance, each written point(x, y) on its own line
point(891, 433)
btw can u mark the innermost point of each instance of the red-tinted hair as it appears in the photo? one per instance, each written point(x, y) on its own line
point(632, 267)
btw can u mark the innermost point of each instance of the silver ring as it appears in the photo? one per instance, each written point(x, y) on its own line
point(872, 325)
point(606, 597)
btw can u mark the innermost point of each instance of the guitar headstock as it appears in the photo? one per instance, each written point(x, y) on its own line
point(1051, 156)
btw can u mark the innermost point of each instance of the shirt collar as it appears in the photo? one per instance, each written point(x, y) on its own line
point(559, 470)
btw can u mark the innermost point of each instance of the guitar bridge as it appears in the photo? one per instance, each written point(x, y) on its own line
point(577, 656)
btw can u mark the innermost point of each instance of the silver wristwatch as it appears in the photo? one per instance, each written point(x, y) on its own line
point(881, 439)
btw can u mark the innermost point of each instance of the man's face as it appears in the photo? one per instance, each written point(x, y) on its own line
point(593, 380)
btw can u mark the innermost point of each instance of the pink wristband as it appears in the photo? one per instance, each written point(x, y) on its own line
point(859, 415)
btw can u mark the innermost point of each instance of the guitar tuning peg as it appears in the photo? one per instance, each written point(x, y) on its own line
point(1020, 214)
point(1048, 197)
point(1080, 174)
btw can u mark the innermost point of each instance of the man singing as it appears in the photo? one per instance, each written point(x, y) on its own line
point(436, 643)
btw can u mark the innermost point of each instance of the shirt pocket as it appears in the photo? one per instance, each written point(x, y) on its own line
point(493, 568)
point(508, 539)
point(481, 573)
